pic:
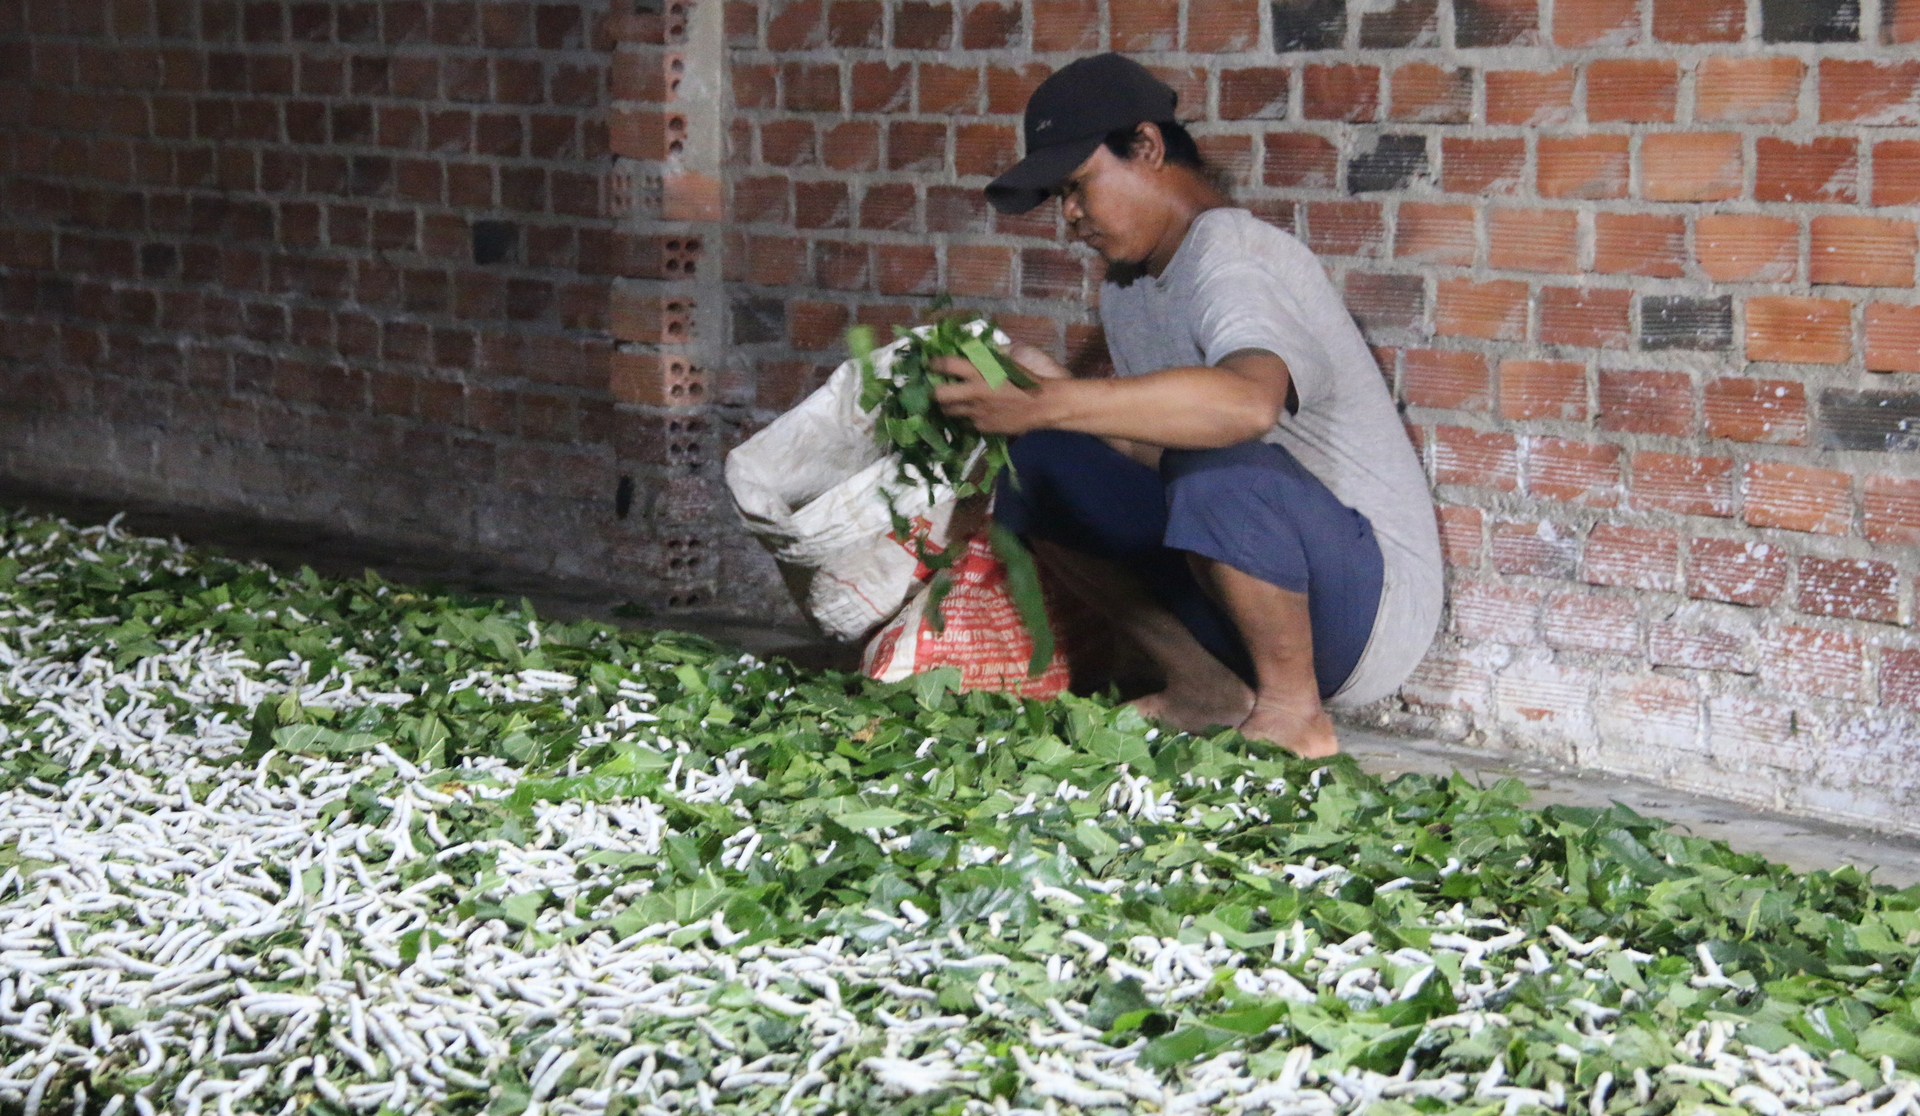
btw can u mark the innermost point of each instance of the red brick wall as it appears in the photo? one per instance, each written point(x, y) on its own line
point(1641, 271)
point(336, 262)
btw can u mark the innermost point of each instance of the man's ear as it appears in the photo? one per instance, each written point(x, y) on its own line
point(1149, 145)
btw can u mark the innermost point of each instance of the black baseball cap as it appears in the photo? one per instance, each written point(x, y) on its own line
point(1069, 115)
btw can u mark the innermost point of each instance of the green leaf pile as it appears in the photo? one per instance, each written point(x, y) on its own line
point(273, 843)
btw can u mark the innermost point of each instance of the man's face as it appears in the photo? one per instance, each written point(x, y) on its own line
point(1109, 204)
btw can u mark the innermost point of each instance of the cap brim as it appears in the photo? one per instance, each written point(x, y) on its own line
point(1030, 181)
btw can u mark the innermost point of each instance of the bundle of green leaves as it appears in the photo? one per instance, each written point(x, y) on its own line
point(936, 449)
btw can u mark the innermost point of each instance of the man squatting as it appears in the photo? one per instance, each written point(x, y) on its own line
point(1241, 499)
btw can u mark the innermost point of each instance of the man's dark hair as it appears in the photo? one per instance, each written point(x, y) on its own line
point(1181, 150)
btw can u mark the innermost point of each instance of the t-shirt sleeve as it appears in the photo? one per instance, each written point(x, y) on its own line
point(1240, 304)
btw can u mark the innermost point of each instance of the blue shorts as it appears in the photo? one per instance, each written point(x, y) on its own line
point(1251, 506)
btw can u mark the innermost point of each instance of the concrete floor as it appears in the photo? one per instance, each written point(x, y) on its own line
point(1800, 843)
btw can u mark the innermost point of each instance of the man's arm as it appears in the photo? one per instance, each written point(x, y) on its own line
point(1195, 407)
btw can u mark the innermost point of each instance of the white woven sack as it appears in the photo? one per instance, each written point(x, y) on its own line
point(812, 488)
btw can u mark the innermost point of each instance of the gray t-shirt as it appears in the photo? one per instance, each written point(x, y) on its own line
point(1239, 283)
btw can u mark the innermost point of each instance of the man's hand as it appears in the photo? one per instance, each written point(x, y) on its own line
point(1003, 410)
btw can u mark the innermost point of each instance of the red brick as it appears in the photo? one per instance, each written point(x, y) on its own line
point(1534, 240)
point(1590, 317)
point(1765, 90)
point(1596, 166)
point(1896, 172)
point(755, 86)
point(1446, 378)
point(1008, 87)
point(1495, 310)
point(1300, 160)
point(889, 206)
point(839, 266)
point(906, 269)
point(1893, 337)
point(1587, 622)
point(855, 23)
point(1703, 637)
point(1747, 248)
point(1646, 402)
point(920, 25)
point(1900, 678)
point(1423, 93)
point(1066, 25)
point(1814, 661)
point(1633, 558)
point(1568, 472)
point(742, 23)
point(1699, 21)
point(1530, 96)
point(1639, 244)
point(821, 205)
point(1346, 228)
point(1554, 389)
point(1254, 93)
point(1597, 23)
point(1891, 509)
point(1463, 456)
point(798, 26)
point(760, 199)
point(788, 143)
point(1691, 166)
point(1460, 535)
point(657, 380)
point(1051, 273)
point(950, 89)
point(981, 149)
point(1449, 679)
point(813, 326)
point(1900, 22)
point(1799, 330)
point(806, 87)
point(980, 271)
point(1862, 91)
point(1215, 26)
point(650, 318)
point(1386, 302)
point(1144, 25)
point(1482, 166)
point(879, 87)
point(1684, 485)
point(1340, 92)
point(1534, 549)
point(776, 261)
point(1861, 251)
point(1442, 234)
point(1738, 571)
point(1230, 156)
point(1498, 613)
point(851, 146)
point(1540, 696)
point(1853, 589)
point(1825, 168)
point(1770, 411)
point(914, 145)
point(1647, 723)
point(1798, 498)
point(1632, 90)
point(1494, 23)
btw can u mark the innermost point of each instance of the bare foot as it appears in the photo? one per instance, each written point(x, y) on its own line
point(1308, 735)
point(1192, 708)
